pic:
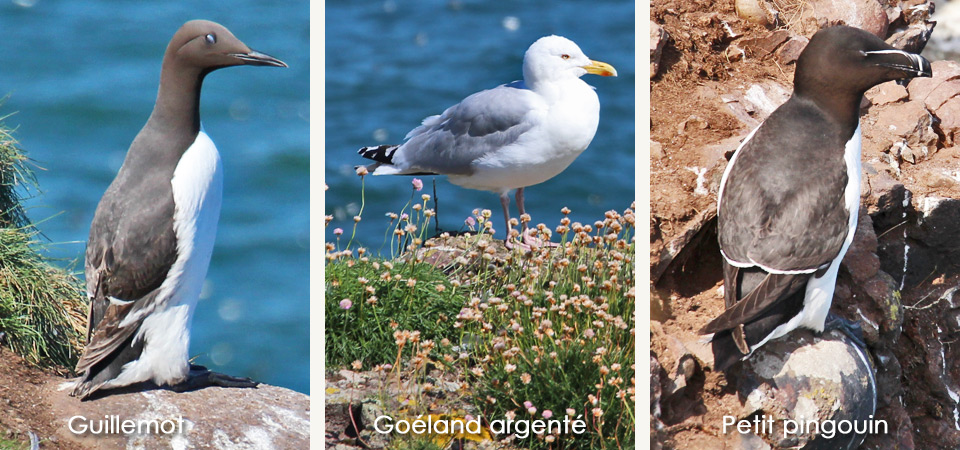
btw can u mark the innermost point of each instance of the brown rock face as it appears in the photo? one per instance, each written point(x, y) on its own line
point(868, 15)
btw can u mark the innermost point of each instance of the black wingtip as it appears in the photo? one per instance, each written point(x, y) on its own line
point(380, 153)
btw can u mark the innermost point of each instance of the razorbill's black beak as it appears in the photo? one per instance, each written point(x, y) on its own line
point(911, 65)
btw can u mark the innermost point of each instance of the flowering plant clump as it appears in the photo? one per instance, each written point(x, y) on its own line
point(539, 334)
point(558, 335)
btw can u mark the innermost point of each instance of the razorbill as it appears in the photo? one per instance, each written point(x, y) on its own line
point(789, 198)
point(509, 137)
point(153, 230)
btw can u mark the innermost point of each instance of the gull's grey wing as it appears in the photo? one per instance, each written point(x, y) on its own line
point(479, 125)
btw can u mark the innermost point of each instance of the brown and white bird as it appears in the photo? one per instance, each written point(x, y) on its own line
point(789, 198)
point(153, 231)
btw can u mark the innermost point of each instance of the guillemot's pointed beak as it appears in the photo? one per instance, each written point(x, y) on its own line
point(600, 68)
point(255, 58)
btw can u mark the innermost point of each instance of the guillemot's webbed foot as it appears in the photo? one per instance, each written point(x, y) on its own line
point(849, 328)
point(200, 377)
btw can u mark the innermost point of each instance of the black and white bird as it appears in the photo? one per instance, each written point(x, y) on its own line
point(153, 231)
point(509, 137)
point(789, 197)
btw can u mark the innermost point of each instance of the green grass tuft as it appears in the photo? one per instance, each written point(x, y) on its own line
point(42, 308)
point(9, 443)
point(383, 299)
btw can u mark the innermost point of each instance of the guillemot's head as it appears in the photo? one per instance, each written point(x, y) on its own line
point(209, 46)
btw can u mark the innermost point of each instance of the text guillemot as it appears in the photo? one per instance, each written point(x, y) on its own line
point(113, 424)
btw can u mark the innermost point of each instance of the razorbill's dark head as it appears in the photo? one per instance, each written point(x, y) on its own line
point(840, 63)
point(209, 46)
point(847, 59)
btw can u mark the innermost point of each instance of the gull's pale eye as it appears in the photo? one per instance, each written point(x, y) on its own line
point(565, 56)
point(211, 38)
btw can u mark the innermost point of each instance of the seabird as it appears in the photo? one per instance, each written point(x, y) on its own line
point(509, 137)
point(789, 198)
point(153, 230)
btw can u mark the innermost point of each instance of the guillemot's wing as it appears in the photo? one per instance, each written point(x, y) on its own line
point(131, 248)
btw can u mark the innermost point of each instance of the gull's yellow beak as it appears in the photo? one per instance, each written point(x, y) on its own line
point(600, 68)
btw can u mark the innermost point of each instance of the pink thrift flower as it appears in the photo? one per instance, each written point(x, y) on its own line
point(470, 221)
point(547, 414)
point(417, 184)
point(346, 303)
point(528, 404)
point(338, 231)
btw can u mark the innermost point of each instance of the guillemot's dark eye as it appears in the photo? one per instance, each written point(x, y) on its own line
point(211, 38)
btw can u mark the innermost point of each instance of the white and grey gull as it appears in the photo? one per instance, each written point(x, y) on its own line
point(510, 137)
point(790, 196)
point(153, 231)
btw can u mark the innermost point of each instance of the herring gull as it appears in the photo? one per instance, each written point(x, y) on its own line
point(513, 136)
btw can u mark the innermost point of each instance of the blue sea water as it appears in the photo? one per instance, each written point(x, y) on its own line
point(389, 64)
point(81, 79)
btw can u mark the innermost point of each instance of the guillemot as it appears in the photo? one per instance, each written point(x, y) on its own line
point(790, 196)
point(513, 136)
point(153, 231)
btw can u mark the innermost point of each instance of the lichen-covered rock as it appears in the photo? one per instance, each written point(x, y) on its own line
point(809, 378)
point(216, 418)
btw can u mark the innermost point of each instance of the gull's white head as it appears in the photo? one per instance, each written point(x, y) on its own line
point(554, 58)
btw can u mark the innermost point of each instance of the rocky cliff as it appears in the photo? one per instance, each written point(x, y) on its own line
point(719, 70)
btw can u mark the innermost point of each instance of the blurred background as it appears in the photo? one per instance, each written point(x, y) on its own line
point(81, 79)
point(390, 64)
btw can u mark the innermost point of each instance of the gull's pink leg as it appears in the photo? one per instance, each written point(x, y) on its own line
point(529, 238)
point(523, 229)
point(505, 202)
